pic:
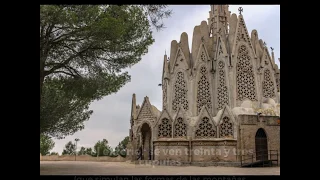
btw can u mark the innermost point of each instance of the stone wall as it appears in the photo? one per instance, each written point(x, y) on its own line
point(201, 151)
point(250, 124)
point(214, 151)
point(175, 153)
point(171, 150)
point(213, 154)
point(82, 158)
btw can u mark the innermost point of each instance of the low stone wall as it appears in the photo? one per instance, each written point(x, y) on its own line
point(82, 158)
point(215, 150)
point(181, 163)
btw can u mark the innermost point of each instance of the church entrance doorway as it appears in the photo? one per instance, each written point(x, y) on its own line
point(261, 145)
point(146, 142)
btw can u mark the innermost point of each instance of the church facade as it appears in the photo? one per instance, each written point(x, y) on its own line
point(221, 99)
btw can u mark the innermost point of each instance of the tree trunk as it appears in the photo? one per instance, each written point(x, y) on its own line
point(41, 84)
point(42, 74)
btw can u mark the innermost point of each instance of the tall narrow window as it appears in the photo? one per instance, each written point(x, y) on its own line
point(180, 93)
point(226, 128)
point(222, 88)
point(268, 85)
point(203, 92)
point(245, 77)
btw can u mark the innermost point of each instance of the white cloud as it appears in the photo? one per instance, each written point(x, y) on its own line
point(111, 118)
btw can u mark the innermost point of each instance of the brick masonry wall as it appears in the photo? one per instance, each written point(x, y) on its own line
point(249, 125)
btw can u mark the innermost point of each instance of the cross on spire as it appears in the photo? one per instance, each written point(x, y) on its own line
point(271, 49)
point(240, 9)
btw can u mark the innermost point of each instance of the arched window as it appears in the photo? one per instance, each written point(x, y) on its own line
point(226, 128)
point(205, 129)
point(180, 128)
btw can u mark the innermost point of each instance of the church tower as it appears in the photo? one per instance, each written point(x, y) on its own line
point(225, 67)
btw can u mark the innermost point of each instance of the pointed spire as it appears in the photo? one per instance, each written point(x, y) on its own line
point(272, 55)
point(264, 45)
point(134, 106)
point(165, 68)
point(165, 56)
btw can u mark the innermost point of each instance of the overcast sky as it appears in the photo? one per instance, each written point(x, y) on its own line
point(111, 117)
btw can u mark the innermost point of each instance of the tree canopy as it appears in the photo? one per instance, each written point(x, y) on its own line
point(61, 112)
point(46, 144)
point(84, 50)
point(69, 149)
point(101, 148)
point(82, 151)
point(122, 147)
point(88, 151)
point(54, 153)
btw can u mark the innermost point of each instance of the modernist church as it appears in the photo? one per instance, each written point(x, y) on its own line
point(221, 99)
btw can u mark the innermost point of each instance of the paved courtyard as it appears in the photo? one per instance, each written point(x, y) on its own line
point(124, 168)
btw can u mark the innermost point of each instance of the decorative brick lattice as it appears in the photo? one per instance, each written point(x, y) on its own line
point(245, 76)
point(203, 92)
point(205, 129)
point(242, 34)
point(203, 56)
point(222, 88)
point(278, 84)
point(226, 128)
point(180, 93)
point(165, 129)
point(267, 85)
point(180, 128)
point(145, 113)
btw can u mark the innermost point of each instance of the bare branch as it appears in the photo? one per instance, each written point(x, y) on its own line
point(73, 71)
point(63, 72)
point(63, 64)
